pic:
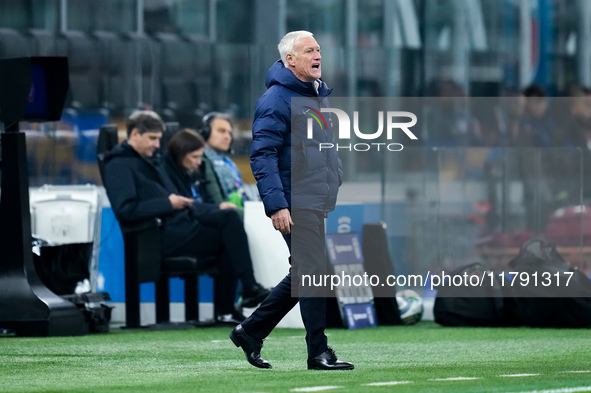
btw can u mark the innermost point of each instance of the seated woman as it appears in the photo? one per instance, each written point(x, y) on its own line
point(184, 155)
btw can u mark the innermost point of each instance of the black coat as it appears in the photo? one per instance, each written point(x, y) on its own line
point(182, 181)
point(139, 188)
point(203, 183)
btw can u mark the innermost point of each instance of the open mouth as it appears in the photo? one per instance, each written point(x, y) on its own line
point(316, 66)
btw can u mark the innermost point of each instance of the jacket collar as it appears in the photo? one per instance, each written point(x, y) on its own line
point(124, 149)
point(278, 74)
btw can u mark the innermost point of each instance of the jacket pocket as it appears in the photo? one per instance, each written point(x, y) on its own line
point(298, 161)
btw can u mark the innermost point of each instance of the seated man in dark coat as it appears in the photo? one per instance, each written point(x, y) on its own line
point(138, 189)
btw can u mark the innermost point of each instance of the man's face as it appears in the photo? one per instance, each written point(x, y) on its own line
point(145, 144)
point(306, 63)
point(221, 135)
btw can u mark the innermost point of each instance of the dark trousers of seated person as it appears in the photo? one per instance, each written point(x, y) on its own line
point(224, 292)
point(221, 233)
point(308, 247)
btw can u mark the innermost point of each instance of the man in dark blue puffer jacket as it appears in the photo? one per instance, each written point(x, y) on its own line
point(298, 183)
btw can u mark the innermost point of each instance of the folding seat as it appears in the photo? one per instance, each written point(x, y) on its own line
point(83, 64)
point(116, 87)
point(13, 44)
point(178, 80)
point(145, 59)
point(203, 62)
point(43, 42)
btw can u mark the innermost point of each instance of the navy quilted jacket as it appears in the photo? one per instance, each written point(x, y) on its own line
point(291, 170)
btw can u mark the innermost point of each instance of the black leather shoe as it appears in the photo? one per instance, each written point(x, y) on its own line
point(251, 347)
point(233, 318)
point(327, 360)
point(253, 296)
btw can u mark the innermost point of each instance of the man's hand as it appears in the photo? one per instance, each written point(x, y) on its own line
point(282, 221)
point(179, 202)
point(227, 205)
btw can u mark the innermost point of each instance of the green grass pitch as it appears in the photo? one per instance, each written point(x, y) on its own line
point(421, 358)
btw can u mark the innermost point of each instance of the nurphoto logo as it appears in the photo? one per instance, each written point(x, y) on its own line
point(393, 124)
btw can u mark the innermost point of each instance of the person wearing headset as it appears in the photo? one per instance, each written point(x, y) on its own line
point(222, 180)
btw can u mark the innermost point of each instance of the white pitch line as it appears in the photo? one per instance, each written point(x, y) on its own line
point(517, 375)
point(563, 390)
point(315, 388)
point(455, 379)
point(577, 372)
point(387, 383)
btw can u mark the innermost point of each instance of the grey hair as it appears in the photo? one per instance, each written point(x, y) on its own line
point(287, 42)
point(144, 121)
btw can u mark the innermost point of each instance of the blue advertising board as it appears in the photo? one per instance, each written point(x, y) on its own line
point(343, 248)
point(360, 315)
point(354, 296)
